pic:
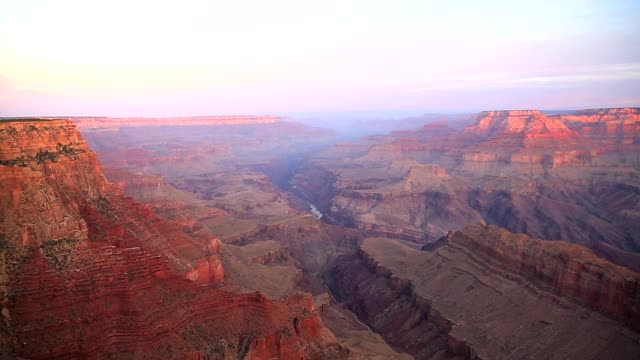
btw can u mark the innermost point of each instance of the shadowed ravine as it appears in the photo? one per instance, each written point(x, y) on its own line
point(271, 240)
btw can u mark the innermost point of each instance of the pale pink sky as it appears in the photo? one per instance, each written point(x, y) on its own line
point(156, 58)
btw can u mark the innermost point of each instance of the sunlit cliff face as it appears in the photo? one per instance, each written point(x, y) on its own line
point(166, 59)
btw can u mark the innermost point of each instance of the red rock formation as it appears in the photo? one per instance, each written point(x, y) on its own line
point(279, 256)
point(482, 296)
point(612, 115)
point(45, 167)
point(521, 170)
point(88, 273)
point(562, 268)
point(53, 188)
point(531, 122)
point(128, 303)
point(182, 208)
point(613, 130)
point(526, 137)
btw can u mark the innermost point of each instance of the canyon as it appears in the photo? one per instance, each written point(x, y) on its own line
point(521, 170)
point(506, 234)
point(476, 297)
point(88, 272)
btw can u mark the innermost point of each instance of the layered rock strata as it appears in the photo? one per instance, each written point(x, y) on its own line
point(521, 170)
point(87, 273)
point(489, 294)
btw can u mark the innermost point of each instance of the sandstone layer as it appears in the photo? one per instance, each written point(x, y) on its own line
point(544, 176)
point(86, 272)
point(481, 293)
point(489, 294)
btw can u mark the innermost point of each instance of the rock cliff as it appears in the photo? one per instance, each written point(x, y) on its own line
point(611, 115)
point(492, 123)
point(522, 170)
point(616, 132)
point(561, 268)
point(86, 272)
point(487, 294)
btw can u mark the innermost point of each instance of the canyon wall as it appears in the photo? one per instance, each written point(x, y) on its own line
point(561, 268)
point(463, 300)
point(390, 306)
point(521, 170)
point(616, 132)
point(87, 272)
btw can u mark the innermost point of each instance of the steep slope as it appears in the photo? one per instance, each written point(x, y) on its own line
point(602, 116)
point(54, 189)
point(530, 122)
point(561, 268)
point(523, 138)
point(521, 170)
point(488, 294)
point(88, 273)
point(615, 131)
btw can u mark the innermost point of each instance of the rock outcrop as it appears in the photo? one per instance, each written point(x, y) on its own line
point(561, 268)
point(127, 303)
point(390, 307)
point(524, 137)
point(53, 188)
point(530, 122)
point(608, 116)
point(487, 294)
point(616, 132)
point(607, 128)
point(86, 272)
point(521, 170)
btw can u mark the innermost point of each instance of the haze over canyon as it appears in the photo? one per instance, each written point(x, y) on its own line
point(320, 180)
point(503, 234)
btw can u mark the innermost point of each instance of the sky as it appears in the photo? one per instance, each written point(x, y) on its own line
point(172, 58)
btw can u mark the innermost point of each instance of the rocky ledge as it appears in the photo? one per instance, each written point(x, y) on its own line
point(86, 272)
point(487, 294)
point(561, 268)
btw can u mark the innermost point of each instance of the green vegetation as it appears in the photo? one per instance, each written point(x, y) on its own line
point(103, 205)
point(43, 156)
point(67, 150)
point(20, 161)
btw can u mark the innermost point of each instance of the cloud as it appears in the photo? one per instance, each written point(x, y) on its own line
point(560, 76)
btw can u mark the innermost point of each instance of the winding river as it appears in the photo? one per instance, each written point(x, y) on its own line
point(315, 211)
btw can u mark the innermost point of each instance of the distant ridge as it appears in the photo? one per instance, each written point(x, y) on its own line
point(89, 122)
point(516, 121)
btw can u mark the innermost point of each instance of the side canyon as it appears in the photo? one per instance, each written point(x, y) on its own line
point(498, 235)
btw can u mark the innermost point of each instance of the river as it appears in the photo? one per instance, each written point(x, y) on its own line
point(315, 211)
